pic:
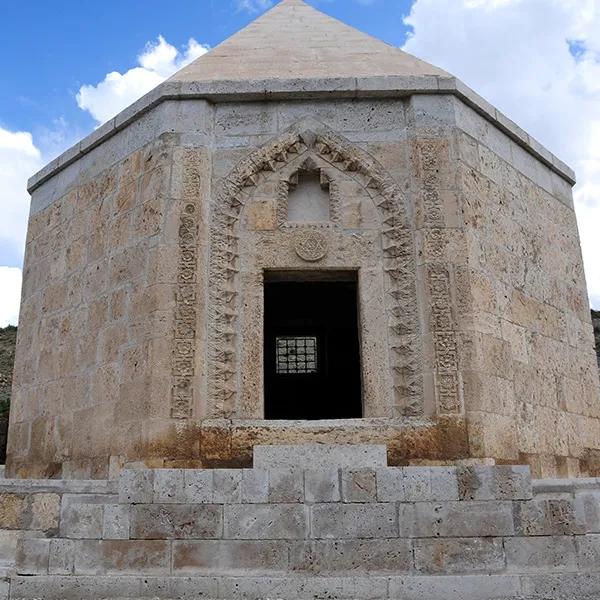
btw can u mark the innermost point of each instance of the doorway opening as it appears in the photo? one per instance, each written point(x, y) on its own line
point(312, 353)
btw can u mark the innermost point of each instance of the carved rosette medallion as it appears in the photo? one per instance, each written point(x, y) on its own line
point(310, 245)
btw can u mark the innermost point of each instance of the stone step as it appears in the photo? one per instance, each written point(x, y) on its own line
point(331, 484)
point(320, 456)
point(470, 587)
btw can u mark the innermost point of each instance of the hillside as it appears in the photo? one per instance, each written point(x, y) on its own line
point(596, 322)
point(8, 337)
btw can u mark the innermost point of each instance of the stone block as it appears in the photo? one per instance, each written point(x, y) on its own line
point(301, 588)
point(131, 557)
point(136, 486)
point(255, 486)
point(547, 516)
point(390, 484)
point(341, 557)
point(417, 484)
point(266, 521)
point(45, 510)
point(374, 520)
point(536, 554)
point(181, 521)
point(480, 482)
point(453, 556)
point(81, 521)
point(460, 519)
point(229, 557)
point(462, 587)
point(444, 484)
point(168, 486)
point(286, 485)
point(32, 556)
point(322, 485)
point(562, 586)
point(319, 456)
point(359, 485)
point(227, 486)
point(587, 510)
point(61, 557)
point(11, 509)
point(588, 552)
point(8, 546)
point(115, 524)
point(198, 486)
point(122, 587)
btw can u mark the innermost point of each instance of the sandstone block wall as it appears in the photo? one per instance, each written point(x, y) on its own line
point(531, 387)
point(141, 337)
point(472, 533)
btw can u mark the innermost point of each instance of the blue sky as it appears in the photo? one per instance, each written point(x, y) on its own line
point(67, 66)
point(48, 54)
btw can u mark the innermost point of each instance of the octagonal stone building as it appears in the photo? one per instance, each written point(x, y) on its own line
point(306, 235)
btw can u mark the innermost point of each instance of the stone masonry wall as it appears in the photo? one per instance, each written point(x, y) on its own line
point(90, 313)
point(532, 389)
point(468, 533)
point(136, 348)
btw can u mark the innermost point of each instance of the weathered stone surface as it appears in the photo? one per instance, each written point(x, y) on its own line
point(136, 486)
point(82, 520)
point(375, 520)
point(359, 485)
point(170, 521)
point(286, 485)
point(122, 557)
point(524, 555)
point(230, 557)
point(322, 485)
point(274, 521)
point(326, 557)
point(468, 556)
point(465, 587)
point(319, 456)
point(457, 519)
point(115, 524)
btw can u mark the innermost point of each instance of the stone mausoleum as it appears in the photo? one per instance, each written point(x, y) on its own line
point(306, 235)
point(302, 323)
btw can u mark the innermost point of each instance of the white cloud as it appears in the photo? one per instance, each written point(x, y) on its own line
point(254, 6)
point(10, 298)
point(516, 53)
point(19, 158)
point(118, 90)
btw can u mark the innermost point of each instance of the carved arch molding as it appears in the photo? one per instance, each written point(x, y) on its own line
point(399, 263)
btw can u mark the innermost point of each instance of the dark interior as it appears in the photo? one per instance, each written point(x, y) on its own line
point(312, 358)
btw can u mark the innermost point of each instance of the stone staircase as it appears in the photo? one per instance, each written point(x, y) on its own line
point(306, 522)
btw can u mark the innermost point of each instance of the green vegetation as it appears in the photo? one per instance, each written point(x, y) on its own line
point(596, 322)
point(8, 337)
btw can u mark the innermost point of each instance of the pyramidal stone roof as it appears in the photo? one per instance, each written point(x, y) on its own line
point(294, 51)
point(294, 40)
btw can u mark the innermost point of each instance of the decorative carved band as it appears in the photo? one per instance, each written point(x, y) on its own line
point(182, 366)
point(399, 263)
point(399, 266)
point(442, 322)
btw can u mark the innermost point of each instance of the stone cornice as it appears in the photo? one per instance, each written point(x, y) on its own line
point(307, 89)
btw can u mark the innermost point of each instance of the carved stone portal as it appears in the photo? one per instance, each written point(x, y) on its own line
point(398, 262)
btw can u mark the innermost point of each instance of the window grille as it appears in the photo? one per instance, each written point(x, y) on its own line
point(296, 355)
